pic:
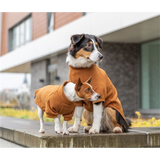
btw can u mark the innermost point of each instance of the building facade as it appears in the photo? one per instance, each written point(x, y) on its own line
point(37, 43)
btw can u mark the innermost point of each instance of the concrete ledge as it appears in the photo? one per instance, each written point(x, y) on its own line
point(21, 138)
point(25, 133)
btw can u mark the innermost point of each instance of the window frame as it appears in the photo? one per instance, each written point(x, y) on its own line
point(49, 26)
point(146, 112)
point(11, 39)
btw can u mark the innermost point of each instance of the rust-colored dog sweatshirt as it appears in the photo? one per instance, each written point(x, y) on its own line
point(53, 101)
point(101, 84)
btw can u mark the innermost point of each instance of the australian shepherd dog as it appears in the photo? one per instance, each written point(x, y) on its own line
point(106, 114)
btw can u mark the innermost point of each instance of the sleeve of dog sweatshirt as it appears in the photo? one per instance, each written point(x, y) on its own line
point(79, 103)
point(68, 117)
point(51, 111)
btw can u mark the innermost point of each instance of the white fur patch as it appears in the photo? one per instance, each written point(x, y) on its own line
point(77, 114)
point(80, 62)
point(57, 125)
point(117, 130)
point(95, 53)
point(40, 114)
point(65, 131)
point(97, 114)
point(69, 91)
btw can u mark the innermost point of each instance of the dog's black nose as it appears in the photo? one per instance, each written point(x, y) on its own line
point(98, 96)
point(100, 56)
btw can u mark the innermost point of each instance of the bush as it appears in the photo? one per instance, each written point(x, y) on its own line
point(139, 122)
point(33, 115)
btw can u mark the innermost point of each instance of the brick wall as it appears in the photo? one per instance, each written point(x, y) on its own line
point(121, 65)
point(62, 18)
point(9, 19)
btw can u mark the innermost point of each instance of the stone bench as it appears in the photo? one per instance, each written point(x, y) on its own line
point(25, 133)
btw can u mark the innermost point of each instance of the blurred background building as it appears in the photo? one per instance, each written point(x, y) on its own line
point(37, 43)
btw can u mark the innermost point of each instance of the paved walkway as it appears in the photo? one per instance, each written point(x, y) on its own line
point(25, 133)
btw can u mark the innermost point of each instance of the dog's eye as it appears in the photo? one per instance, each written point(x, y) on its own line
point(89, 45)
point(88, 89)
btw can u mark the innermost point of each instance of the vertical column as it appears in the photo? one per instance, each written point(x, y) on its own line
point(39, 77)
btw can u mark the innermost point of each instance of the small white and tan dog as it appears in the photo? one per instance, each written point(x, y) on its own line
point(57, 100)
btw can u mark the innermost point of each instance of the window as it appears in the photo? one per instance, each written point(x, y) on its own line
point(20, 34)
point(22, 40)
point(150, 75)
point(16, 36)
point(50, 22)
point(28, 30)
point(52, 70)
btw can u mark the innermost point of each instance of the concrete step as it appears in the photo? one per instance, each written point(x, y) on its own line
point(25, 133)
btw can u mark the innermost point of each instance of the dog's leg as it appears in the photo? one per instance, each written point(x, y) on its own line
point(60, 125)
point(65, 131)
point(89, 118)
point(111, 120)
point(97, 115)
point(57, 125)
point(77, 114)
point(40, 114)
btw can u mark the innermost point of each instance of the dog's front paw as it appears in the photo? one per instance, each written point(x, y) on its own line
point(94, 130)
point(86, 129)
point(73, 129)
point(41, 131)
point(58, 130)
point(65, 132)
point(117, 130)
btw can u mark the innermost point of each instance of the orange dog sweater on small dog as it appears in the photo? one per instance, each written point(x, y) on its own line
point(53, 101)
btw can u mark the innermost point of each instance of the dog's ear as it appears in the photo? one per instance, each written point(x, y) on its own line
point(76, 38)
point(89, 80)
point(100, 42)
point(78, 85)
